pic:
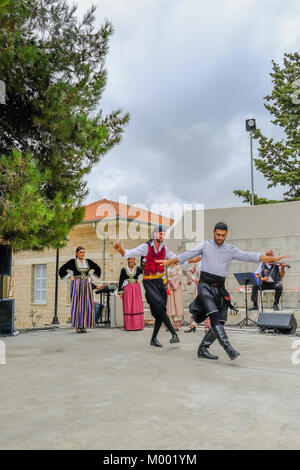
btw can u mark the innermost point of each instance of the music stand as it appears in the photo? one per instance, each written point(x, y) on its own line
point(245, 279)
point(260, 294)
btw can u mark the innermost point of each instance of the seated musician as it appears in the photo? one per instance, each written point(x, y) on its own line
point(271, 278)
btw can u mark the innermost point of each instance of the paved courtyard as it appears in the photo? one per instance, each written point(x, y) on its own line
point(109, 389)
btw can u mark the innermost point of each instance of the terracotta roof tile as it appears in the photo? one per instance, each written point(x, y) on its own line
point(106, 208)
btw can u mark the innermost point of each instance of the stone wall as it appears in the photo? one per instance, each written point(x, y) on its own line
point(85, 235)
point(253, 228)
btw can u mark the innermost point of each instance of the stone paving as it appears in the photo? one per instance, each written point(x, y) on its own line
point(109, 389)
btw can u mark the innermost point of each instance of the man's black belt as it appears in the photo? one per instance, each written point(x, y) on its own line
point(212, 279)
point(219, 282)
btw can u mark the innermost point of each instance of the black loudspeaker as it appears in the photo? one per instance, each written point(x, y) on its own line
point(281, 322)
point(7, 316)
point(5, 260)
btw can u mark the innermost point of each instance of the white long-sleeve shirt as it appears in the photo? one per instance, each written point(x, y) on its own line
point(142, 250)
point(216, 258)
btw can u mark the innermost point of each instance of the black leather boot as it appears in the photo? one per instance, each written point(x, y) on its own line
point(224, 341)
point(208, 339)
point(155, 342)
point(174, 339)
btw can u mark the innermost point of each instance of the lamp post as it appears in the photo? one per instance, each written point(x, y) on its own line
point(55, 318)
point(250, 127)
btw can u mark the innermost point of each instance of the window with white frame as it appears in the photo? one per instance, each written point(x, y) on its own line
point(39, 283)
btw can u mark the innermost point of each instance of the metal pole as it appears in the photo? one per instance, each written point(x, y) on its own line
point(55, 319)
point(103, 255)
point(252, 179)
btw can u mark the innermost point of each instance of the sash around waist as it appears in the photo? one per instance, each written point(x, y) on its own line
point(212, 279)
point(153, 276)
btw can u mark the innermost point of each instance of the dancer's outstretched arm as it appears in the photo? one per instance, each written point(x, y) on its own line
point(140, 250)
point(273, 259)
point(195, 260)
point(263, 258)
point(241, 255)
point(192, 254)
point(167, 262)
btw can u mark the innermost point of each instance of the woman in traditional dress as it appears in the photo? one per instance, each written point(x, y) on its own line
point(130, 292)
point(82, 301)
point(174, 302)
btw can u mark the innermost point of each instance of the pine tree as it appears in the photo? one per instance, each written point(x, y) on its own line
point(279, 161)
point(52, 130)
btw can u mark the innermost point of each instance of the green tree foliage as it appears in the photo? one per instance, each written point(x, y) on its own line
point(52, 130)
point(279, 161)
point(257, 200)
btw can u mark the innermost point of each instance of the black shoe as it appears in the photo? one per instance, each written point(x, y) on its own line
point(156, 343)
point(174, 339)
point(275, 307)
point(208, 339)
point(191, 329)
point(255, 307)
point(224, 341)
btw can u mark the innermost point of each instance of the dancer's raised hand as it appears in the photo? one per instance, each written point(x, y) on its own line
point(118, 248)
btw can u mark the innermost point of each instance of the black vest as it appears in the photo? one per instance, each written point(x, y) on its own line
point(273, 270)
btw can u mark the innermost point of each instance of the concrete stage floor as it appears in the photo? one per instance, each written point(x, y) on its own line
point(109, 389)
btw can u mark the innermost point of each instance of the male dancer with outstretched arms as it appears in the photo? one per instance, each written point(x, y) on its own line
point(153, 275)
point(213, 299)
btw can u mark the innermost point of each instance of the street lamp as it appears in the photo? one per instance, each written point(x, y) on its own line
point(250, 127)
point(55, 318)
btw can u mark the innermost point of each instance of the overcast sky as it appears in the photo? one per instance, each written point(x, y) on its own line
point(189, 72)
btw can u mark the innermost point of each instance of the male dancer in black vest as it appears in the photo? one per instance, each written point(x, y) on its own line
point(153, 276)
point(213, 299)
point(271, 277)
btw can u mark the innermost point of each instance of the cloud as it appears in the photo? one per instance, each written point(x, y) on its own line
point(189, 72)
